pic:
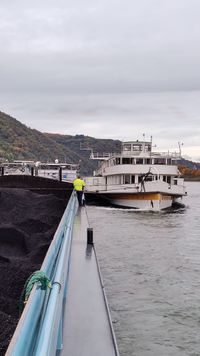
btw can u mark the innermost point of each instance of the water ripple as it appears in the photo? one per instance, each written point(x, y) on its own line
point(151, 267)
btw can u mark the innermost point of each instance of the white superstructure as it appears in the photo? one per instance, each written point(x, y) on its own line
point(138, 177)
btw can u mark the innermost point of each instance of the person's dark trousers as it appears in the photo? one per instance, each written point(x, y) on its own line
point(79, 196)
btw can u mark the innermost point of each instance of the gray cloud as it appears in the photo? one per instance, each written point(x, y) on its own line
point(118, 46)
point(78, 67)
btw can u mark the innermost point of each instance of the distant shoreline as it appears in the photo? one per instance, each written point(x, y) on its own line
point(191, 179)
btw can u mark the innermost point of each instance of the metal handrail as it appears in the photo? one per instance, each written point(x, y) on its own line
point(27, 336)
point(50, 338)
point(146, 154)
point(106, 304)
point(54, 248)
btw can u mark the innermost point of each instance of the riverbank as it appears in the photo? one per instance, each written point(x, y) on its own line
point(191, 179)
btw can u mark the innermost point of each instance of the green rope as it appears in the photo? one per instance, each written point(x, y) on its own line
point(38, 277)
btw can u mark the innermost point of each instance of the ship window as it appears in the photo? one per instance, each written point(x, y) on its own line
point(126, 178)
point(95, 181)
point(164, 178)
point(132, 179)
point(168, 179)
point(139, 160)
point(169, 161)
point(159, 161)
point(147, 161)
point(126, 160)
point(117, 160)
point(137, 148)
point(148, 148)
point(149, 178)
point(140, 177)
point(127, 147)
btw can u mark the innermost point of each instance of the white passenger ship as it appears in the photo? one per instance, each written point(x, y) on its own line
point(138, 178)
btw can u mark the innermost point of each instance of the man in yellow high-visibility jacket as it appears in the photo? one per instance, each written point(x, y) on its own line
point(79, 185)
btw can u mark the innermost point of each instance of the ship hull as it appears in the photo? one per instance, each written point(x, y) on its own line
point(143, 201)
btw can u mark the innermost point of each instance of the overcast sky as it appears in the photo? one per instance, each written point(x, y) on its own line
point(107, 68)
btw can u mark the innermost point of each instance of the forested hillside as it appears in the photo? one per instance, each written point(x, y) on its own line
point(190, 174)
point(17, 141)
point(82, 146)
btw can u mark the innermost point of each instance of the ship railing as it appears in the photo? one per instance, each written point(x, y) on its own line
point(148, 154)
point(175, 155)
point(152, 186)
point(134, 153)
point(107, 155)
point(39, 331)
point(102, 156)
point(26, 167)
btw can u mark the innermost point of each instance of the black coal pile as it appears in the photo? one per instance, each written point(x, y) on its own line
point(28, 222)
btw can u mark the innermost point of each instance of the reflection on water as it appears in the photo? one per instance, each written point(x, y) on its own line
point(88, 251)
point(151, 267)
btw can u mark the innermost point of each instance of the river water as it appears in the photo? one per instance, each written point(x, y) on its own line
point(150, 264)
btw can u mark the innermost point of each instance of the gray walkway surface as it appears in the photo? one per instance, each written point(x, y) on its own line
point(86, 326)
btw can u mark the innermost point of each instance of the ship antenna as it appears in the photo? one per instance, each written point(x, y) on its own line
point(179, 146)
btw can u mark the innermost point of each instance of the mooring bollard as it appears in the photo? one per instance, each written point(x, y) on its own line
point(89, 236)
point(60, 174)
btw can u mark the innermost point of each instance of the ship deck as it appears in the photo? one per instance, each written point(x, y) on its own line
point(87, 330)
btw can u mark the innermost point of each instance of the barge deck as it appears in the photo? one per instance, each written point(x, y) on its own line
point(72, 317)
point(86, 326)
